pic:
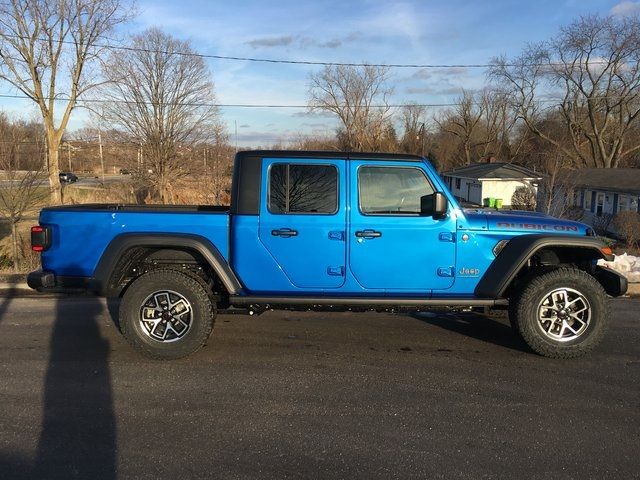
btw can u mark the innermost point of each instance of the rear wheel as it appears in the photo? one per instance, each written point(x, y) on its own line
point(561, 314)
point(166, 314)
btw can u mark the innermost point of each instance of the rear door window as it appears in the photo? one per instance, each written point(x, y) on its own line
point(303, 189)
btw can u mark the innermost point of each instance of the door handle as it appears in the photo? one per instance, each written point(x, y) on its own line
point(368, 234)
point(284, 232)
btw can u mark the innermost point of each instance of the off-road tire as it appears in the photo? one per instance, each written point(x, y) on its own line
point(203, 313)
point(524, 312)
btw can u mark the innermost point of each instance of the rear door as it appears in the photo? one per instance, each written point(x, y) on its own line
point(391, 246)
point(303, 220)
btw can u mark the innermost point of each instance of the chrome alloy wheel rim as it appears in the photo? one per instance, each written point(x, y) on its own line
point(166, 316)
point(564, 314)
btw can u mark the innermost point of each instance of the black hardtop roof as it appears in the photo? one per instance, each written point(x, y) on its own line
point(402, 157)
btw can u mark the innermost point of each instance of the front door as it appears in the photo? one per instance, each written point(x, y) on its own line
point(391, 246)
point(599, 204)
point(303, 220)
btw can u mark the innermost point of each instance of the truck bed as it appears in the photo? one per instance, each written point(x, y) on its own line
point(81, 233)
point(118, 207)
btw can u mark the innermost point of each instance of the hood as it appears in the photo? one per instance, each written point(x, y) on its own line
point(523, 221)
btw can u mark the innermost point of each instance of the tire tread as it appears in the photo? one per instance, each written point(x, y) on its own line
point(526, 302)
point(163, 278)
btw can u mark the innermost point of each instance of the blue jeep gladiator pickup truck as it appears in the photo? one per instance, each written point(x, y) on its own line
point(328, 230)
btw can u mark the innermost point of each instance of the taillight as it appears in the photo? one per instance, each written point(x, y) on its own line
point(40, 238)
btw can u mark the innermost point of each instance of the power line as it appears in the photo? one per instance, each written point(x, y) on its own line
point(221, 105)
point(248, 105)
point(300, 62)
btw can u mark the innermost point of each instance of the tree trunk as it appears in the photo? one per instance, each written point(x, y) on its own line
point(550, 194)
point(53, 167)
point(467, 153)
point(14, 238)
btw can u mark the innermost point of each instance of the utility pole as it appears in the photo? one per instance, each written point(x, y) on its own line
point(205, 157)
point(235, 122)
point(69, 156)
point(101, 156)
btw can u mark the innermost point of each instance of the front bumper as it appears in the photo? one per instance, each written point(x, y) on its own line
point(45, 281)
point(614, 283)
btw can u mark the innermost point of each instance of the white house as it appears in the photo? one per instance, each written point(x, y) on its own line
point(477, 181)
point(600, 191)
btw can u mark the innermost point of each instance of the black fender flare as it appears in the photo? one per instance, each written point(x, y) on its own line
point(519, 250)
point(99, 282)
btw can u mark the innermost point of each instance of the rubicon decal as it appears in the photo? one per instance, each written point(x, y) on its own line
point(537, 226)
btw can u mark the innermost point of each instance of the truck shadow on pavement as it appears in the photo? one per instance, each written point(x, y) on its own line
point(476, 326)
point(78, 436)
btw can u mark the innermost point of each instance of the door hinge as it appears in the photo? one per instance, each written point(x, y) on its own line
point(447, 237)
point(335, 271)
point(446, 272)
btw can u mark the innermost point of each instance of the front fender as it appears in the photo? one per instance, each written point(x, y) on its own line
point(515, 255)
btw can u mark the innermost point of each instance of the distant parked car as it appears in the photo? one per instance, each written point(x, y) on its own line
point(124, 171)
point(68, 177)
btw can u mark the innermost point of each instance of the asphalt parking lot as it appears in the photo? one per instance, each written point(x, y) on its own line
point(301, 395)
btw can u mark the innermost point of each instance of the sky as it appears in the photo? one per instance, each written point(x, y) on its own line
point(414, 32)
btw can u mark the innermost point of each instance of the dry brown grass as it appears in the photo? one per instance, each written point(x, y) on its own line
point(28, 260)
point(113, 193)
point(201, 191)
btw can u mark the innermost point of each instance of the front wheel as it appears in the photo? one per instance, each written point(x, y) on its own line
point(561, 314)
point(166, 314)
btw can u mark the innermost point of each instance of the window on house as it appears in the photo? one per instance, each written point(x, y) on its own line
point(303, 188)
point(576, 198)
point(624, 203)
point(458, 183)
point(587, 199)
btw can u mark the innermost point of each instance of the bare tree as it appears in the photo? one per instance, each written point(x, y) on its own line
point(22, 186)
point(359, 97)
point(217, 156)
point(22, 140)
point(413, 128)
point(46, 50)
point(314, 142)
point(593, 65)
point(628, 226)
point(463, 121)
point(162, 96)
point(484, 124)
point(500, 123)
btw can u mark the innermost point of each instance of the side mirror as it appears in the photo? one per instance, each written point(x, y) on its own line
point(434, 205)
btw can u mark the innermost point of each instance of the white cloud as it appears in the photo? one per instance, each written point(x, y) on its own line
point(434, 90)
point(271, 41)
point(626, 8)
point(393, 19)
point(313, 114)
